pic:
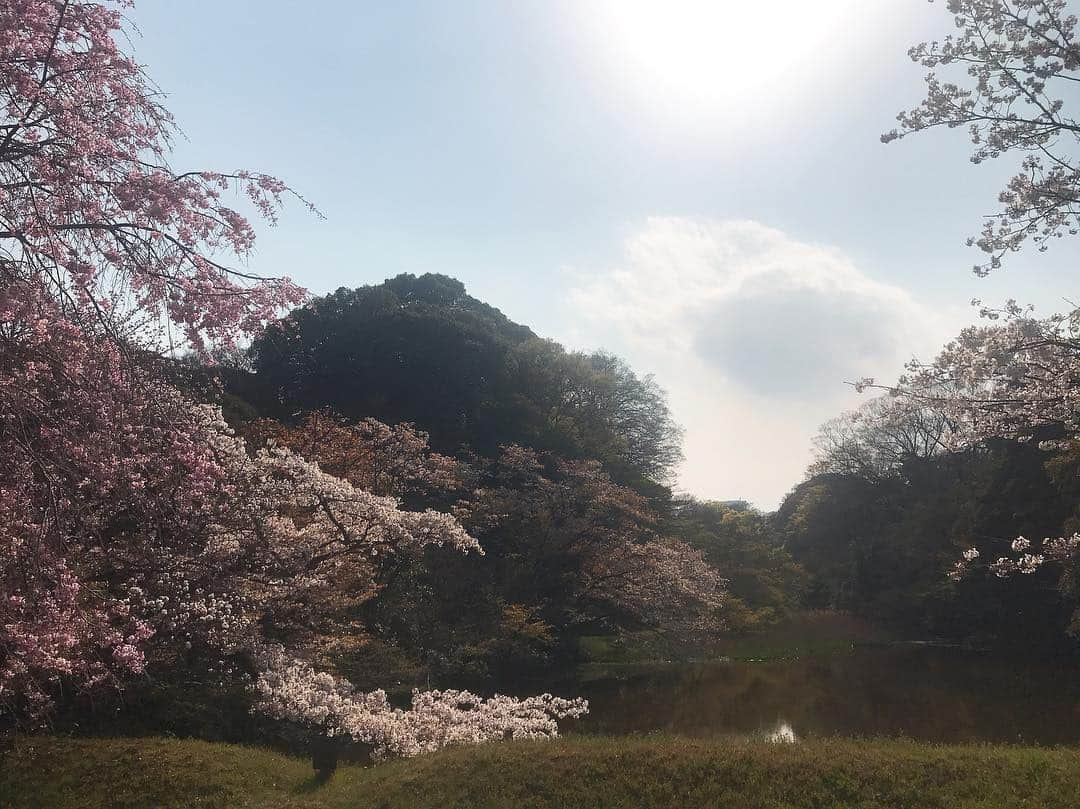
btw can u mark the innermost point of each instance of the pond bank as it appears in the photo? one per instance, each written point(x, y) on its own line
point(924, 693)
point(821, 675)
point(600, 772)
point(812, 632)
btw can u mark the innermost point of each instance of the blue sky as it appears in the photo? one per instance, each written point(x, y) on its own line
point(698, 185)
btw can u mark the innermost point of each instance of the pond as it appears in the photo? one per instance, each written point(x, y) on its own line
point(923, 693)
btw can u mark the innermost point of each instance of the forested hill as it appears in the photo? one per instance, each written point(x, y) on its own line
point(873, 530)
point(422, 350)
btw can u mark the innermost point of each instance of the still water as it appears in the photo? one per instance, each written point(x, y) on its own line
point(921, 693)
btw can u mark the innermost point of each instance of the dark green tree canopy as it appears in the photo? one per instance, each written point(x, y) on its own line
point(881, 545)
point(764, 582)
point(421, 350)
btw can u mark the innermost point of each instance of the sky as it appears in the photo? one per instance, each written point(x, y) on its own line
point(696, 185)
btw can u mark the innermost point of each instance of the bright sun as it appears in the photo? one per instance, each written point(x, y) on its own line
point(707, 52)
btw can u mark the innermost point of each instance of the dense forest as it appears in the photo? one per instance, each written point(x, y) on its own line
point(561, 462)
point(883, 513)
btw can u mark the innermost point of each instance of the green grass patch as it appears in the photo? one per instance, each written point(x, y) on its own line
point(628, 773)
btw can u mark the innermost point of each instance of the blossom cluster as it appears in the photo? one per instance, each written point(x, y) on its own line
point(1053, 549)
point(131, 516)
point(1011, 377)
point(1020, 58)
point(1024, 561)
point(88, 202)
point(292, 689)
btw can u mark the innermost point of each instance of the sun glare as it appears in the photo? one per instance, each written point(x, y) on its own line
point(705, 53)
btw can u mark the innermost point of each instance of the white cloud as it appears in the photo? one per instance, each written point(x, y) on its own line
point(754, 334)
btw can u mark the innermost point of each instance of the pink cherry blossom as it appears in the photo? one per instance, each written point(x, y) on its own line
point(88, 201)
point(133, 523)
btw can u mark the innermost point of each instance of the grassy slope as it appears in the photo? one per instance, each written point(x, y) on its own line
point(578, 772)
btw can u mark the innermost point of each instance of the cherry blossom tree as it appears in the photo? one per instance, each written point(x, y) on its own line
point(1006, 75)
point(89, 206)
point(100, 243)
point(128, 513)
point(133, 522)
point(597, 541)
point(662, 582)
point(369, 454)
point(1015, 378)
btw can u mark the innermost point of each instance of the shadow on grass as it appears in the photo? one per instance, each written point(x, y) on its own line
point(313, 783)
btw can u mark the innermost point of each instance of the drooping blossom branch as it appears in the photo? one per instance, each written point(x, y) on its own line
point(1016, 62)
point(1052, 549)
point(292, 690)
point(88, 202)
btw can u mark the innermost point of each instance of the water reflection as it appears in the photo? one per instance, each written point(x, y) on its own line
point(783, 733)
point(939, 695)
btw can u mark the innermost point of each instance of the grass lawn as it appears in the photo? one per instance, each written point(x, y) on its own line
point(46, 772)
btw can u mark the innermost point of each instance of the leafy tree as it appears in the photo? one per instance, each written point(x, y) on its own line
point(880, 438)
point(420, 350)
point(764, 582)
point(411, 349)
point(877, 539)
point(567, 552)
point(637, 412)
